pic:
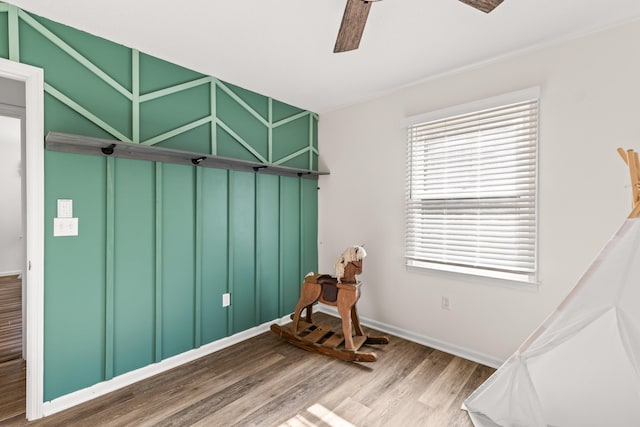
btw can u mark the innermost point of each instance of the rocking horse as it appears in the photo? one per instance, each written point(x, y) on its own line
point(341, 291)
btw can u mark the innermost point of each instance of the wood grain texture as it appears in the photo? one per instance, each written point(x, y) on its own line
point(352, 26)
point(484, 5)
point(266, 381)
point(10, 318)
point(12, 390)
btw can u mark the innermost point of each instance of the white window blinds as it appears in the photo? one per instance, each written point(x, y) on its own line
point(471, 189)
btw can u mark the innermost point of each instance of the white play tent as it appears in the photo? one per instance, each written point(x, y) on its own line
point(581, 367)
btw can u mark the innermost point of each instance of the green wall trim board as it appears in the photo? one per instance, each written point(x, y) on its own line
point(109, 270)
point(158, 264)
point(197, 333)
point(140, 287)
point(135, 95)
point(14, 43)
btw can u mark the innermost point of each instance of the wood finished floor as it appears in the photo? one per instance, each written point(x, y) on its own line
point(266, 381)
point(12, 367)
point(10, 318)
point(12, 390)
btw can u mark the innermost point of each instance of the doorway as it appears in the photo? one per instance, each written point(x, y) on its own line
point(12, 250)
point(30, 83)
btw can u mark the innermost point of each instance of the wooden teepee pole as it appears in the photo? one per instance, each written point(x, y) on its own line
point(630, 157)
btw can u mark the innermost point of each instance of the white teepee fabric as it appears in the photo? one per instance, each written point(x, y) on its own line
point(581, 367)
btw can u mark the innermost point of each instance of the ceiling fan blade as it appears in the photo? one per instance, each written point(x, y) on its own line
point(484, 5)
point(352, 26)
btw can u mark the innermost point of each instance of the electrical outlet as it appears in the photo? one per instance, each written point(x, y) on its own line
point(226, 300)
point(445, 303)
point(65, 227)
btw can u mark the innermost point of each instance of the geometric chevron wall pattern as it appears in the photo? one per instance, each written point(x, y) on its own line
point(224, 120)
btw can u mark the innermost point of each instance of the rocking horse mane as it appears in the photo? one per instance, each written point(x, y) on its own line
point(353, 253)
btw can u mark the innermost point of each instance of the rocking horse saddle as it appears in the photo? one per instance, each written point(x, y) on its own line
point(329, 287)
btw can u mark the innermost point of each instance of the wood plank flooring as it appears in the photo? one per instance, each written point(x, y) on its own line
point(266, 381)
point(10, 318)
point(13, 389)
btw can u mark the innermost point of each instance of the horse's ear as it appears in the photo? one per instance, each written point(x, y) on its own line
point(361, 252)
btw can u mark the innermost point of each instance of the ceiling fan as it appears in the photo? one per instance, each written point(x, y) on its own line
point(357, 11)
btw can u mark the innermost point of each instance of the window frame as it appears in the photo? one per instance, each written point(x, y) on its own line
point(528, 94)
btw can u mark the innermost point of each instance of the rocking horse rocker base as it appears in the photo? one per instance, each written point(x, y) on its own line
point(322, 339)
point(341, 344)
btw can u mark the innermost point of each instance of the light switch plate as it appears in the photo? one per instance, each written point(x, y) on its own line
point(65, 227)
point(65, 208)
point(226, 300)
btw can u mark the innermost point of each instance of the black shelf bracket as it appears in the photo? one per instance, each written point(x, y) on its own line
point(107, 151)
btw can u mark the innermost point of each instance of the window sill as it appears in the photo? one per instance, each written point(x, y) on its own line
point(509, 279)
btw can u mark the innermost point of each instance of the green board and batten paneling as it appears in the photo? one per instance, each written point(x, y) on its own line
point(159, 244)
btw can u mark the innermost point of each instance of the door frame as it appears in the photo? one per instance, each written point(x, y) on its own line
point(33, 138)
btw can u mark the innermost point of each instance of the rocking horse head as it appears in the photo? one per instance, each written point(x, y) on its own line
point(350, 264)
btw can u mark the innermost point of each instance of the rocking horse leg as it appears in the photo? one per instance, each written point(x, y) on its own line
point(309, 293)
point(347, 298)
point(356, 321)
point(344, 311)
point(308, 313)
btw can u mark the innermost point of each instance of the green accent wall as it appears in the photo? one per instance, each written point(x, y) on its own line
point(267, 247)
point(74, 291)
point(159, 244)
point(242, 260)
point(134, 265)
point(215, 255)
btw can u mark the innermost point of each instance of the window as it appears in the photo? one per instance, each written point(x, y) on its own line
point(471, 188)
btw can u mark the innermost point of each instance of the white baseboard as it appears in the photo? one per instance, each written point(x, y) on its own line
point(10, 273)
point(463, 352)
point(77, 397)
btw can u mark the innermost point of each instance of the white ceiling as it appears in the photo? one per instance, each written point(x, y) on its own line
point(284, 48)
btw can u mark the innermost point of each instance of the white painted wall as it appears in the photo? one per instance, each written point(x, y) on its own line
point(11, 243)
point(12, 92)
point(590, 105)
